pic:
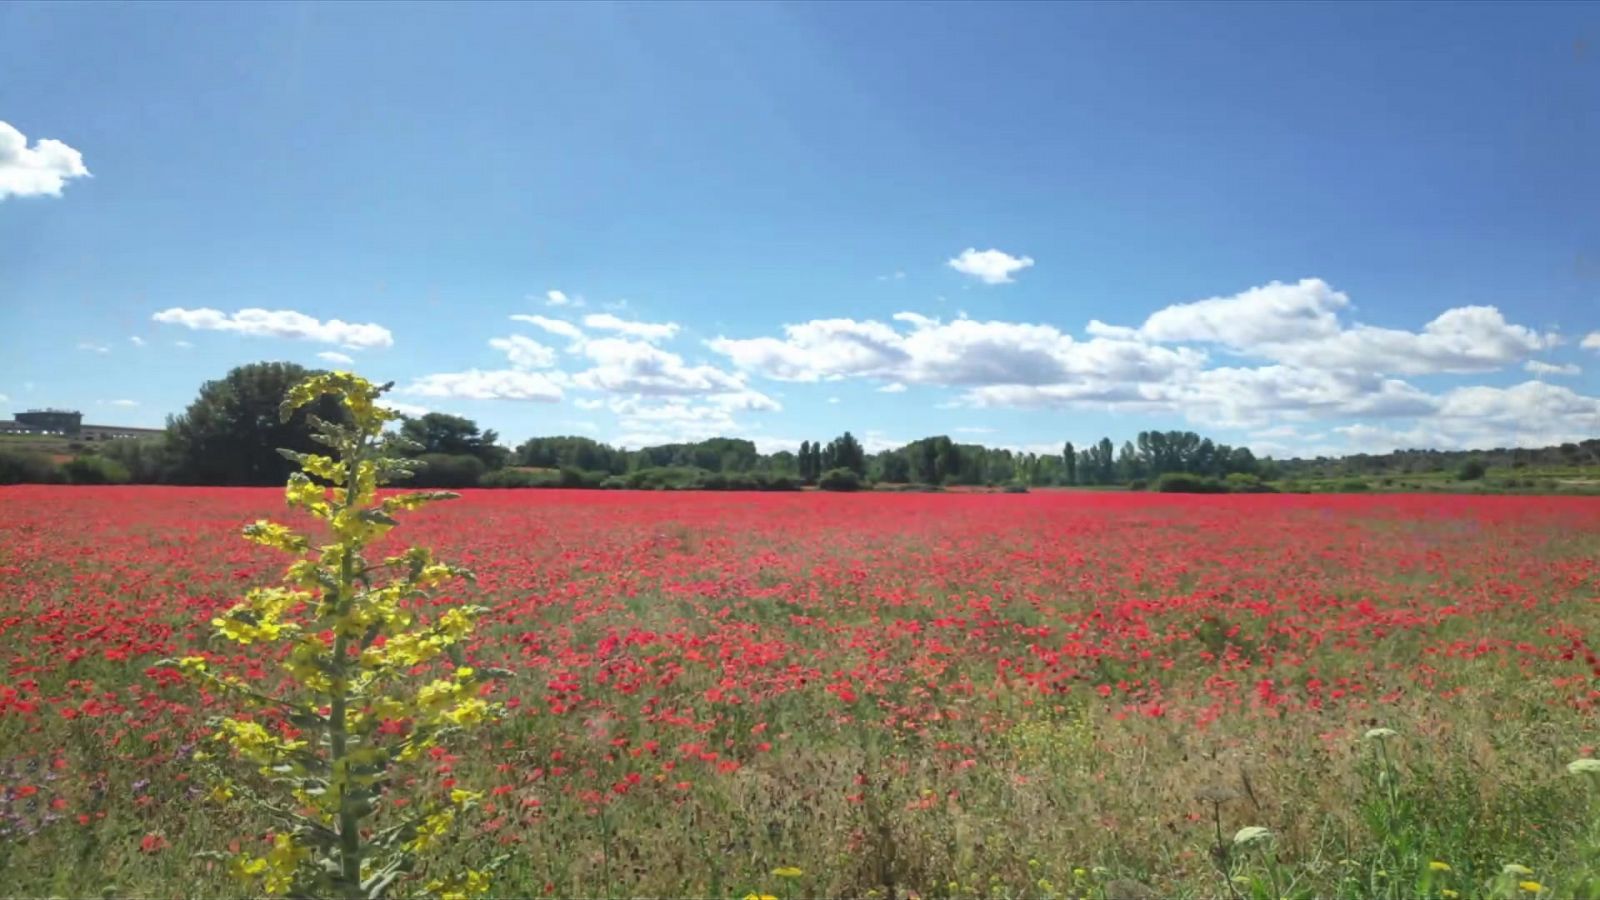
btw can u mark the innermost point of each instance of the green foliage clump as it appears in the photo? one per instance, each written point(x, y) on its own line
point(1184, 483)
point(1471, 470)
point(27, 467)
point(448, 470)
point(839, 480)
point(95, 470)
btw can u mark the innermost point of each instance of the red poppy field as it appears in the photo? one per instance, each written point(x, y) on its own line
point(1061, 694)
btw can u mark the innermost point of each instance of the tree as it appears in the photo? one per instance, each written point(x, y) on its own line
point(845, 452)
point(1069, 460)
point(231, 433)
point(437, 433)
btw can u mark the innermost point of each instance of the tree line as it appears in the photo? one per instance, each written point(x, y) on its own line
point(230, 435)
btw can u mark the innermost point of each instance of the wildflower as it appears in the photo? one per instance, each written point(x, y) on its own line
point(1584, 767)
point(1438, 866)
point(1448, 894)
point(1378, 734)
point(1515, 869)
point(755, 896)
point(1532, 887)
point(787, 872)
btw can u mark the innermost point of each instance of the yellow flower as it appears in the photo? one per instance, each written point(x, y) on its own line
point(1532, 887)
point(787, 872)
point(1448, 894)
point(461, 798)
point(755, 896)
point(1438, 866)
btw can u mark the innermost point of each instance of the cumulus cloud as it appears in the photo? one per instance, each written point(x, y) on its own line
point(1591, 341)
point(124, 403)
point(497, 384)
point(524, 352)
point(558, 327)
point(637, 367)
point(558, 298)
point(960, 352)
point(43, 169)
point(1536, 367)
point(989, 266)
point(1299, 324)
point(1530, 414)
point(335, 357)
point(647, 331)
point(94, 347)
point(136, 341)
point(893, 387)
point(280, 323)
point(406, 409)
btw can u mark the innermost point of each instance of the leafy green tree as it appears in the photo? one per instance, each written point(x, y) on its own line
point(845, 452)
point(1069, 461)
point(437, 433)
point(231, 433)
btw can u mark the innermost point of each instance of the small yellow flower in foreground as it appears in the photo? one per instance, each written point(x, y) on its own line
point(1532, 887)
point(787, 872)
point(1438, 866)
point(1584, 766)
point(1448, 894)
point(755, 896)
point(1515, 869)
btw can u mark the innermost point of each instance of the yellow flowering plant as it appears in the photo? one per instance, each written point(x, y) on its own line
point(320, 759)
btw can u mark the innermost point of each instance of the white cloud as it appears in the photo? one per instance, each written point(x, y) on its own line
point(989, 266)
point(833, 399)
point(1298, 324)
point(136, 341)
point(558, 298)
point(1275, 313)
point(1530, 414)
point(281, 323)
point(335, 357)
point(122, 402)
point(405, 409)
point(895, 276)
point(558, 327)
point(182, 345)
point(893, 387)
point(960, 352)
point(43, 169)
point(524, 352)
point(648, 331)
point(476, 384)
point(1537, 367)
point(4, 398)
point(1591, 341)
point(94, 347)
point(636, 367)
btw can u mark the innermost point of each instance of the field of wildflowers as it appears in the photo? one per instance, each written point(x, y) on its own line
point(1057, 694)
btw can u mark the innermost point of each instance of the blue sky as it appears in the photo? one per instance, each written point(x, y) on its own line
point(1307, 228)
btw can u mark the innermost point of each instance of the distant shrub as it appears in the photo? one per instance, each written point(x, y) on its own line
point(448, 470)
point(27, 467)
point(839, 480)
point(1351, 485)
point(146, 459)
point(94, 470)
point(1015, 487)
point(1138, 484)
point(1471, 470)
point(1184, 483)
point(1244, 483)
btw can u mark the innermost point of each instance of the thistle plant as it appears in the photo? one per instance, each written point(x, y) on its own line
point(322, 758)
